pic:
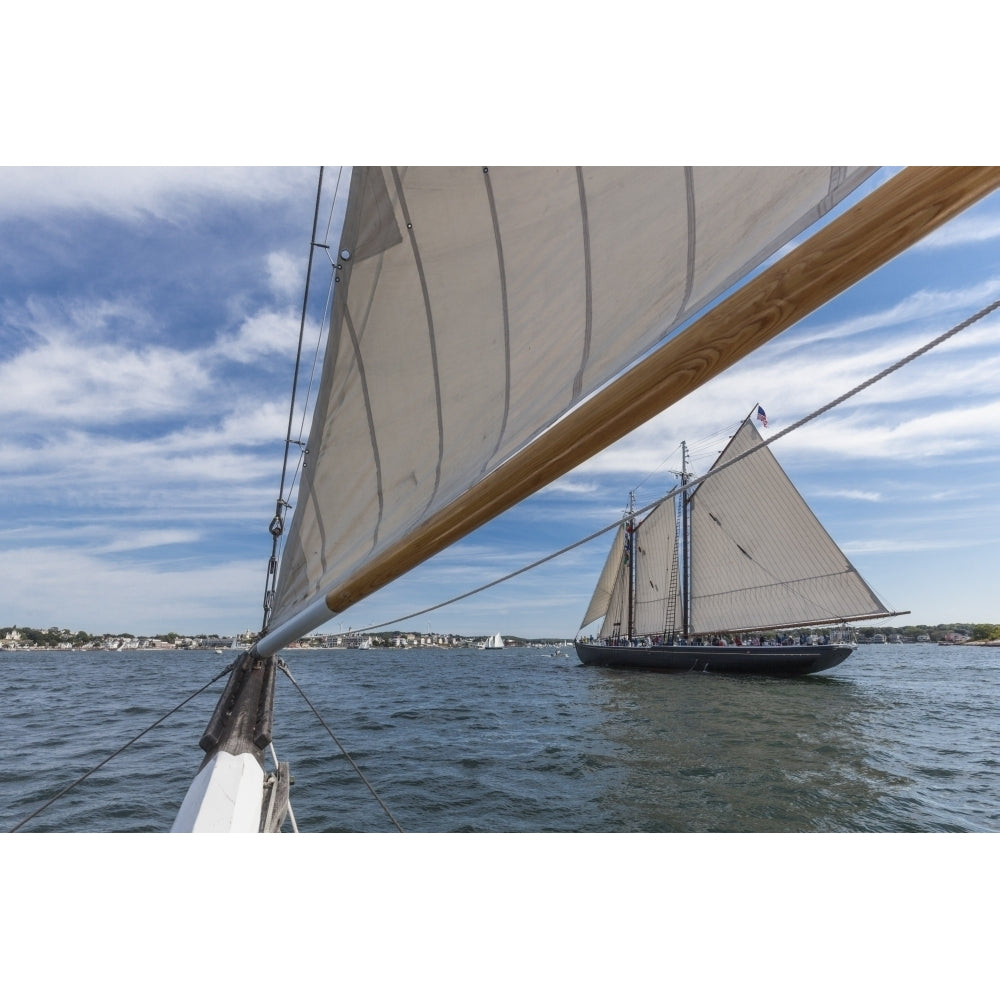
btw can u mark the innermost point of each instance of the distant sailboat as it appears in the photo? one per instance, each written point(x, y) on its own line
point(687, 590)
point(494, 642)
point(241, 642)
point(594, 297)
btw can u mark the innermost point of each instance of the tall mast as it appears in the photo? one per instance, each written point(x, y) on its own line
point(685, 581)
point(630, 548)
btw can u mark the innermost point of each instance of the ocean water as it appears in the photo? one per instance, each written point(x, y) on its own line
point(896, 739)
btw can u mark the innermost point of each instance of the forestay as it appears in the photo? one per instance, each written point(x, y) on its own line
point(477, 306)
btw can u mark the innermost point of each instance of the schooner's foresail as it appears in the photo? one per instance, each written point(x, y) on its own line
point(655, 545)
point(755, 558)
point(609, 600)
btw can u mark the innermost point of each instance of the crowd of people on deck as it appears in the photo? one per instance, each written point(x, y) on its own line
point(778, 639)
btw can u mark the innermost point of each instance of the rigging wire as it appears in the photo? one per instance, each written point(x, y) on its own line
point(936, 342)
point(121, 749)
point(284, 668)
point(333, 206)
point(277, 525)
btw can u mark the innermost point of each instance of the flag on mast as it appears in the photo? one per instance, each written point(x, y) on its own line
point(761, 415)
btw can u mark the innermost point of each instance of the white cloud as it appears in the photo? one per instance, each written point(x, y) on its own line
point(265, 333)
point(82, 590)
point(571, 487)
point(946, 432)
point(128, 541)
point(867, 495)
point(928, 313)
point(965, 230)
point(284, 274)
point(135, 192)
point(887, 545)
point(69, 378)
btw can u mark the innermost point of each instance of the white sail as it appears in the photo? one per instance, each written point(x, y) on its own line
point(557, 278)
point(616, 607)
point(494, 642)
point(614, 567)
point(654, 598)
point(759, 557)
point(657, 608)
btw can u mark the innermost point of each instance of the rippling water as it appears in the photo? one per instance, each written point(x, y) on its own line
point(897, 738)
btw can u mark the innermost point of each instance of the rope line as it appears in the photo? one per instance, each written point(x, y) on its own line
point(936, 342)
point(340, 746)
point(121, 749)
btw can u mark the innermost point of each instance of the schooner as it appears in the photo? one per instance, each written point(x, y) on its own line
point(693, 589)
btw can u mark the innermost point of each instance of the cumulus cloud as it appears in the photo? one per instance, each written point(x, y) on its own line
point(262, 334)
point(63, 378)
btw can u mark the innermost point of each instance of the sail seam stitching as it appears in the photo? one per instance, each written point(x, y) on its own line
point(691, 241)
point(370, 417)
point(506, 314)
point(432, 342)
point(588, 286)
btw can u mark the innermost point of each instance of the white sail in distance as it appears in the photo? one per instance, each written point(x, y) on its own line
point(557, 278)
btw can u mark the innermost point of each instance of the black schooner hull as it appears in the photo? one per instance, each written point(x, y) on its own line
point(769, 661)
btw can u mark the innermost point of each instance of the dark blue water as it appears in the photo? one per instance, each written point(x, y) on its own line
point(898, 738)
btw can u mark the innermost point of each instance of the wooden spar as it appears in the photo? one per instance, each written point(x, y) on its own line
point(891, 219)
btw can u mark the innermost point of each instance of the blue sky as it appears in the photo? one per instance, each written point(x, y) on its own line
point(149, 325)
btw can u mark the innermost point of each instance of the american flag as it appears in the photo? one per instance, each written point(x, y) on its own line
point(761, 415)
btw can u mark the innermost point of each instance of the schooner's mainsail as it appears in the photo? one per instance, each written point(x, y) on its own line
point(759, 557)
point(755, 558)
point(599, 295)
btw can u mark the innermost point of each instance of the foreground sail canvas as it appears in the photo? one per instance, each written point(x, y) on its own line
point(754, 560)
point(557, 281)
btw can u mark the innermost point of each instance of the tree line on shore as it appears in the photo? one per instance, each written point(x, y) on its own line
point(54, 637)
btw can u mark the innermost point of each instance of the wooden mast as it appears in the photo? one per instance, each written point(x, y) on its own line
point(685, 582)
point(630, 527)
